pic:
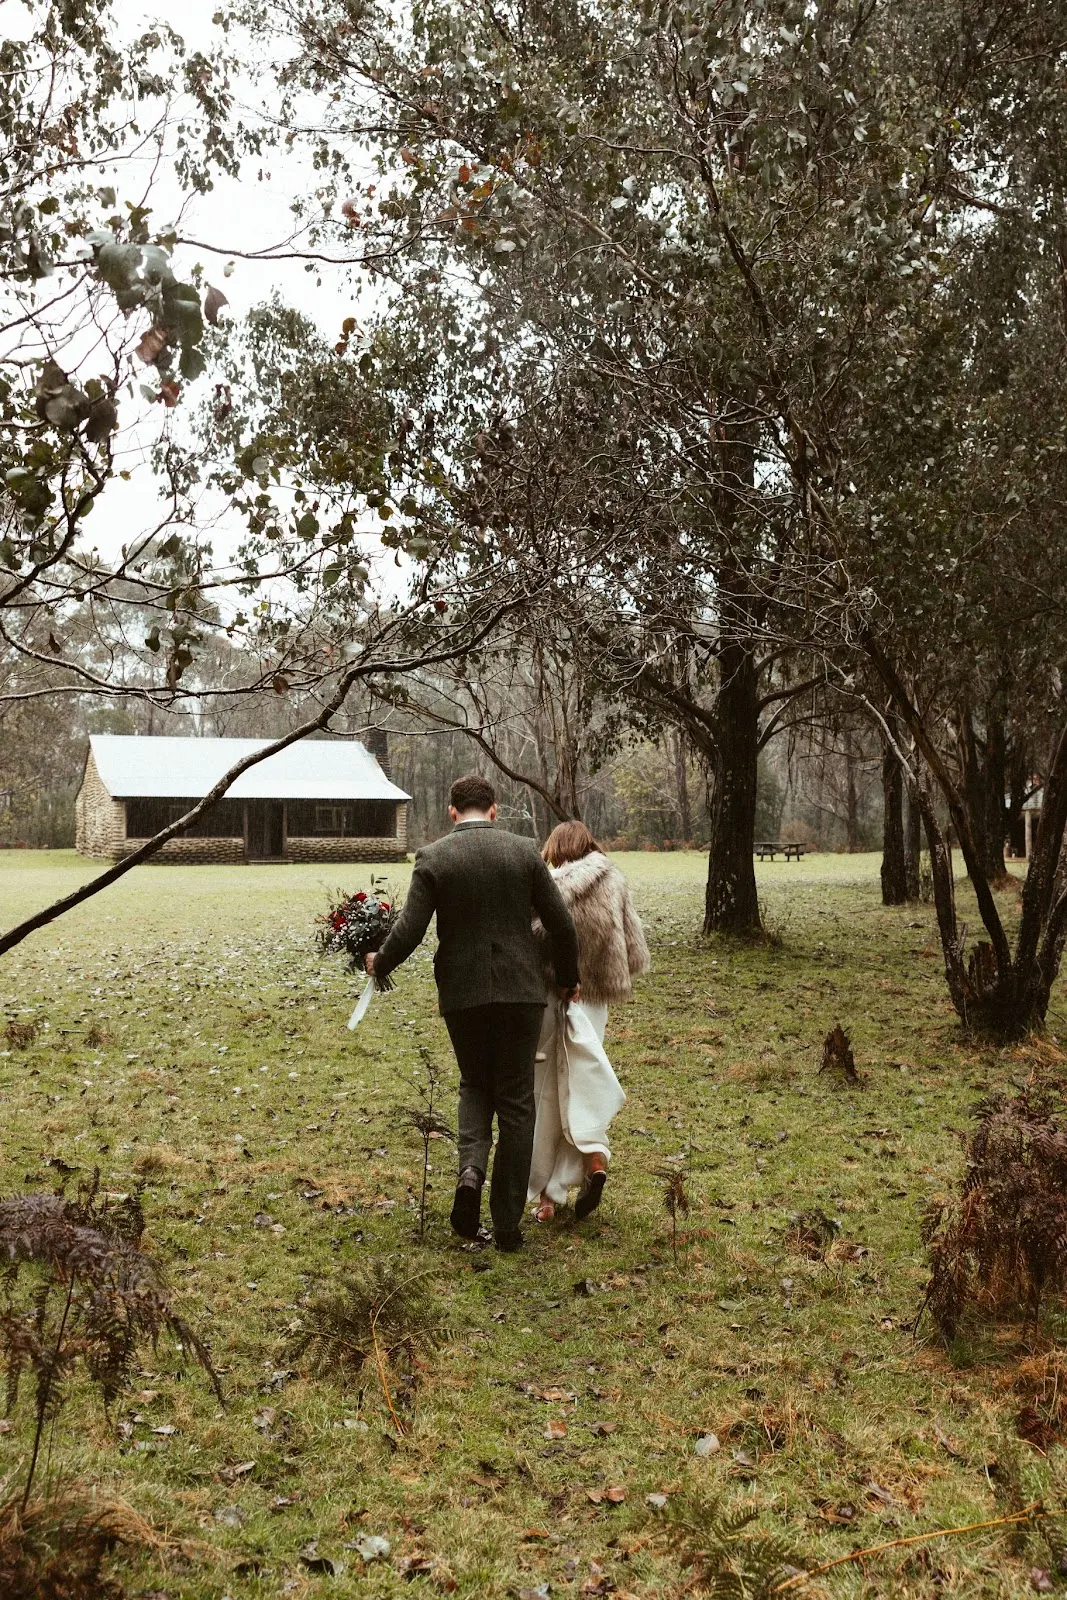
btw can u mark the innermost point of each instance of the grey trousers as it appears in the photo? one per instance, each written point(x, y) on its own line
point(495, 1047)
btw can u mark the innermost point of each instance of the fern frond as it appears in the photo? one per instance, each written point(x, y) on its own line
point(380, 1300)
point(733, 1564)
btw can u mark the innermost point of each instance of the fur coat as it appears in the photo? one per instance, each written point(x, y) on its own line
point(611, 942)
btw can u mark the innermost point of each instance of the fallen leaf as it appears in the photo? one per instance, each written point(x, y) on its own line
point(946, 1443)
point(837, 1514)
point(536, 1533)
point(264, 1419)
point(250, 1567)
point(166, 1428)
point(371, 1546)
point(555, 1429)
point(415, 1565)
point(602, 1428)
point(241, 1470)
point(310, 1558)
point(616, 1494)
point(1040, 1580)
point(706, 1445)
point(656, 1501)
point(230, 1516)
point(595, 1495)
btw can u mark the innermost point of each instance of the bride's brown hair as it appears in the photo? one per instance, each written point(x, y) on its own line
point(569, 842)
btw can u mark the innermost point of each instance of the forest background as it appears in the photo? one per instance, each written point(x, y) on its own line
point(691, 451)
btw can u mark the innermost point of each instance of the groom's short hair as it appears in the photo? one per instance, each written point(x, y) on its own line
point(472, 793)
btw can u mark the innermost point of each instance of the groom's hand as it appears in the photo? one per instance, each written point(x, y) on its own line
point(368, 962)
point(567, 995)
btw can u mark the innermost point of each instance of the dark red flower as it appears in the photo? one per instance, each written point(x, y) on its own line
point(360, 897)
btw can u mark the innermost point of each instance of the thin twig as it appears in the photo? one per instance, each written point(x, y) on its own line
point(1029, 1513)
point(380, 1364)
point(379, 1358)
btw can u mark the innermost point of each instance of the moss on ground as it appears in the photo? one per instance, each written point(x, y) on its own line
point(189, 1036)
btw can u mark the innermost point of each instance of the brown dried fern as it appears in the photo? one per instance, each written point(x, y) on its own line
point(1002, 1245)
point(79, 1293)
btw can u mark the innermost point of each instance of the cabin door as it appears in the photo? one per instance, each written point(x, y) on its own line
point(265, 830)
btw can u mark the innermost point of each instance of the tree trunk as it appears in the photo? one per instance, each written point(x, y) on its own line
point(731, 905)
point(912, 844)
point(894, 855)
point(1018, 792)
point(685, 820)
point(984, 784)
point(996, 991)
point(852, 801)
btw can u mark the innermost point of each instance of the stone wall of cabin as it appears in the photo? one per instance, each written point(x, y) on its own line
point(193, 852)
point(388, 848)
point(99, 820)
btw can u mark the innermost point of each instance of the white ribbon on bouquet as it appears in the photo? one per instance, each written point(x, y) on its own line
point(363, 1004)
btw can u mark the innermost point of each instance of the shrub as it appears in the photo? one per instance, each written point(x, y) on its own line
point(78, 1292)
point(1002, 1244)
point(56, 1548)
point(379, 1312)
point(20, 1035)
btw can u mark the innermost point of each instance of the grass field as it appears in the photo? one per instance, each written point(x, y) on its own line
point(267, 1137)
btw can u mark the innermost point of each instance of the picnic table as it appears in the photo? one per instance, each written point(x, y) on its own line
point(792, 852)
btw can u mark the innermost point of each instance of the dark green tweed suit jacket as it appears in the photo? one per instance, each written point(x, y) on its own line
point(485, 886)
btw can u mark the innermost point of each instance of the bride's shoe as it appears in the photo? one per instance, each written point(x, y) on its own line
point(596, 1175)
point(544, 1211)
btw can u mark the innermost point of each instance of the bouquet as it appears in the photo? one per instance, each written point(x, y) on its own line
point(356, 924)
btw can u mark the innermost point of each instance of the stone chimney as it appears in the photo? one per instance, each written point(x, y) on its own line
point(376, 740)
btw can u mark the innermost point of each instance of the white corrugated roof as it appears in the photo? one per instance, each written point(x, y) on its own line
point(169, 768)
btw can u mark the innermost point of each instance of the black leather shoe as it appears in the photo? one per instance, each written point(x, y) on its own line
point(467, 1206)
point(509, 1241)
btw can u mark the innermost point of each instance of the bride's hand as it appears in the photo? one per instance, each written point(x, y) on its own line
point(567, 995)
point(368, 962)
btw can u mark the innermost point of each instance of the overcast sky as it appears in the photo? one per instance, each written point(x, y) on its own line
point(249, 213)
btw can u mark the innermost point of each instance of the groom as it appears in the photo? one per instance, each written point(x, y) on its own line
point(486, 887)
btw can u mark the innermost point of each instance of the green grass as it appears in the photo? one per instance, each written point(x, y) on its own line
point(229, 1083)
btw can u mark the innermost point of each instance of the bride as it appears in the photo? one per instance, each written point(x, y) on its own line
point(575, 1088)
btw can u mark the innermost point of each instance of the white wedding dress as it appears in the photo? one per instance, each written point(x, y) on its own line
point(577, 1095)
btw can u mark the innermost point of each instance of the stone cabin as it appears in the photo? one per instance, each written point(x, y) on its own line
point(317, 800)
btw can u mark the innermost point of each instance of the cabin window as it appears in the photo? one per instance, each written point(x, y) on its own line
point(349, 819)
point(145, 817)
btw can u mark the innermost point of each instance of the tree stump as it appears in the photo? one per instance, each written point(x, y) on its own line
point(837, 1056)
